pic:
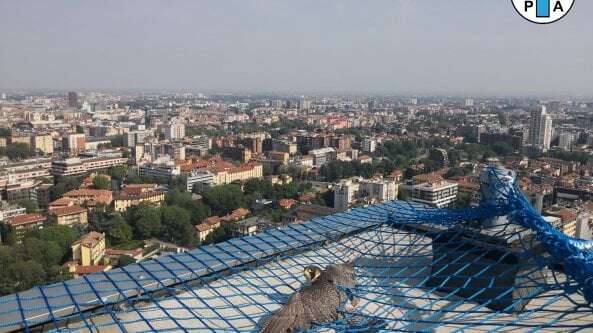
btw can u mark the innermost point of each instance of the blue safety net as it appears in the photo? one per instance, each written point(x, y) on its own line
point(495, 267)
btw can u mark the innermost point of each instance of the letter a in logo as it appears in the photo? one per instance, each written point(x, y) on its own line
point(543, 11)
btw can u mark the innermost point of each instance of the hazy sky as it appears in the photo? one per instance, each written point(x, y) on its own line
point(478, 47)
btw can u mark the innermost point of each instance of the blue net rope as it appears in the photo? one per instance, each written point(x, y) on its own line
point(496, 267)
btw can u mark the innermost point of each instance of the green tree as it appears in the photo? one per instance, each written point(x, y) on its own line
point(101, 183)
point(176, 225)
point(5, 132)
point(23, 275)
point(63, 185)
point(17, 151)
point(197, 210)
point(47, 253)
point(145, 220)
point(119, 233)
point(30, 205)
point(463, 200)
point(125, 260)
point(502, 149)
point(117, 141)
point(220, 234)
point(102, 221)
point(61, 235)
point(454, 172)
point(118, 172)
point(328, 198)
point(402, 194)
point(7, 235)
point(225, 198)
point(454, 157)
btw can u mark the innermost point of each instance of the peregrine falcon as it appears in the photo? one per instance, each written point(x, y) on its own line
point(316, 303)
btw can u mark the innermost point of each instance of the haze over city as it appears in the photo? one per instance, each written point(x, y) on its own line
point(464, 47)
point(274, 166)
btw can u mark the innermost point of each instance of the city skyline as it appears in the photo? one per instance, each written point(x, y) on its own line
point(402, 47)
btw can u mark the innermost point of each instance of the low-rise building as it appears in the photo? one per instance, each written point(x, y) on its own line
point(368, 145)
point(241, 154)
point(568, 220)
point(438, 194)
point(113, 255)
point(365, 191)
point(163, 167)
point(74, 142)
point(279, 157)
point(225, 174)
point(89, 249)
point(249, 226)
point(203, 230)
point(236, 215)
point(44, 195)
point(199, 180)
point(70, 216)
point(306, 212)
point(134, 194)
point(60, 203)
point(23, 223)
point(78, 166)
point(43, 143)
point(22, 190)
point(323, 155)
point(89, 197)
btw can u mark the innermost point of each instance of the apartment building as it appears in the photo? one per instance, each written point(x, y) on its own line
point(439, 193)
point(199, 180)
point(23, 223)
point(365, 191)
point(89, 249)
point(70, 216)
point(163, 167)
point(89, 197)
point(78, 166)
point(43, 143)
point(135, 194)
point(226, 173)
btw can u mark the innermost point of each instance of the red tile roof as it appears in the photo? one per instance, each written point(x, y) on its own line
point(25, 219)
point(91, 239)
point(139, 195)
point(212, 220)
point(86, 192)
point(91, 269)
point(286, 203)
point(61, 211)
point(63, 202)
point(202, 227)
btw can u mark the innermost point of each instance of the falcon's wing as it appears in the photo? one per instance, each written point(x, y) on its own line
point(341, 274)
point(288, 319)
point(316, 303)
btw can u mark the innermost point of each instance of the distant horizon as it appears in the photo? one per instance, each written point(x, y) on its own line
point(405, 47)
point(293, 94)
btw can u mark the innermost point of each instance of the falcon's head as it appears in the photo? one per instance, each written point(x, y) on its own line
point(311, 273)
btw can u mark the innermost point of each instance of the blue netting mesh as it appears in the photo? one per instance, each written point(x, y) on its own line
point(495, 267)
